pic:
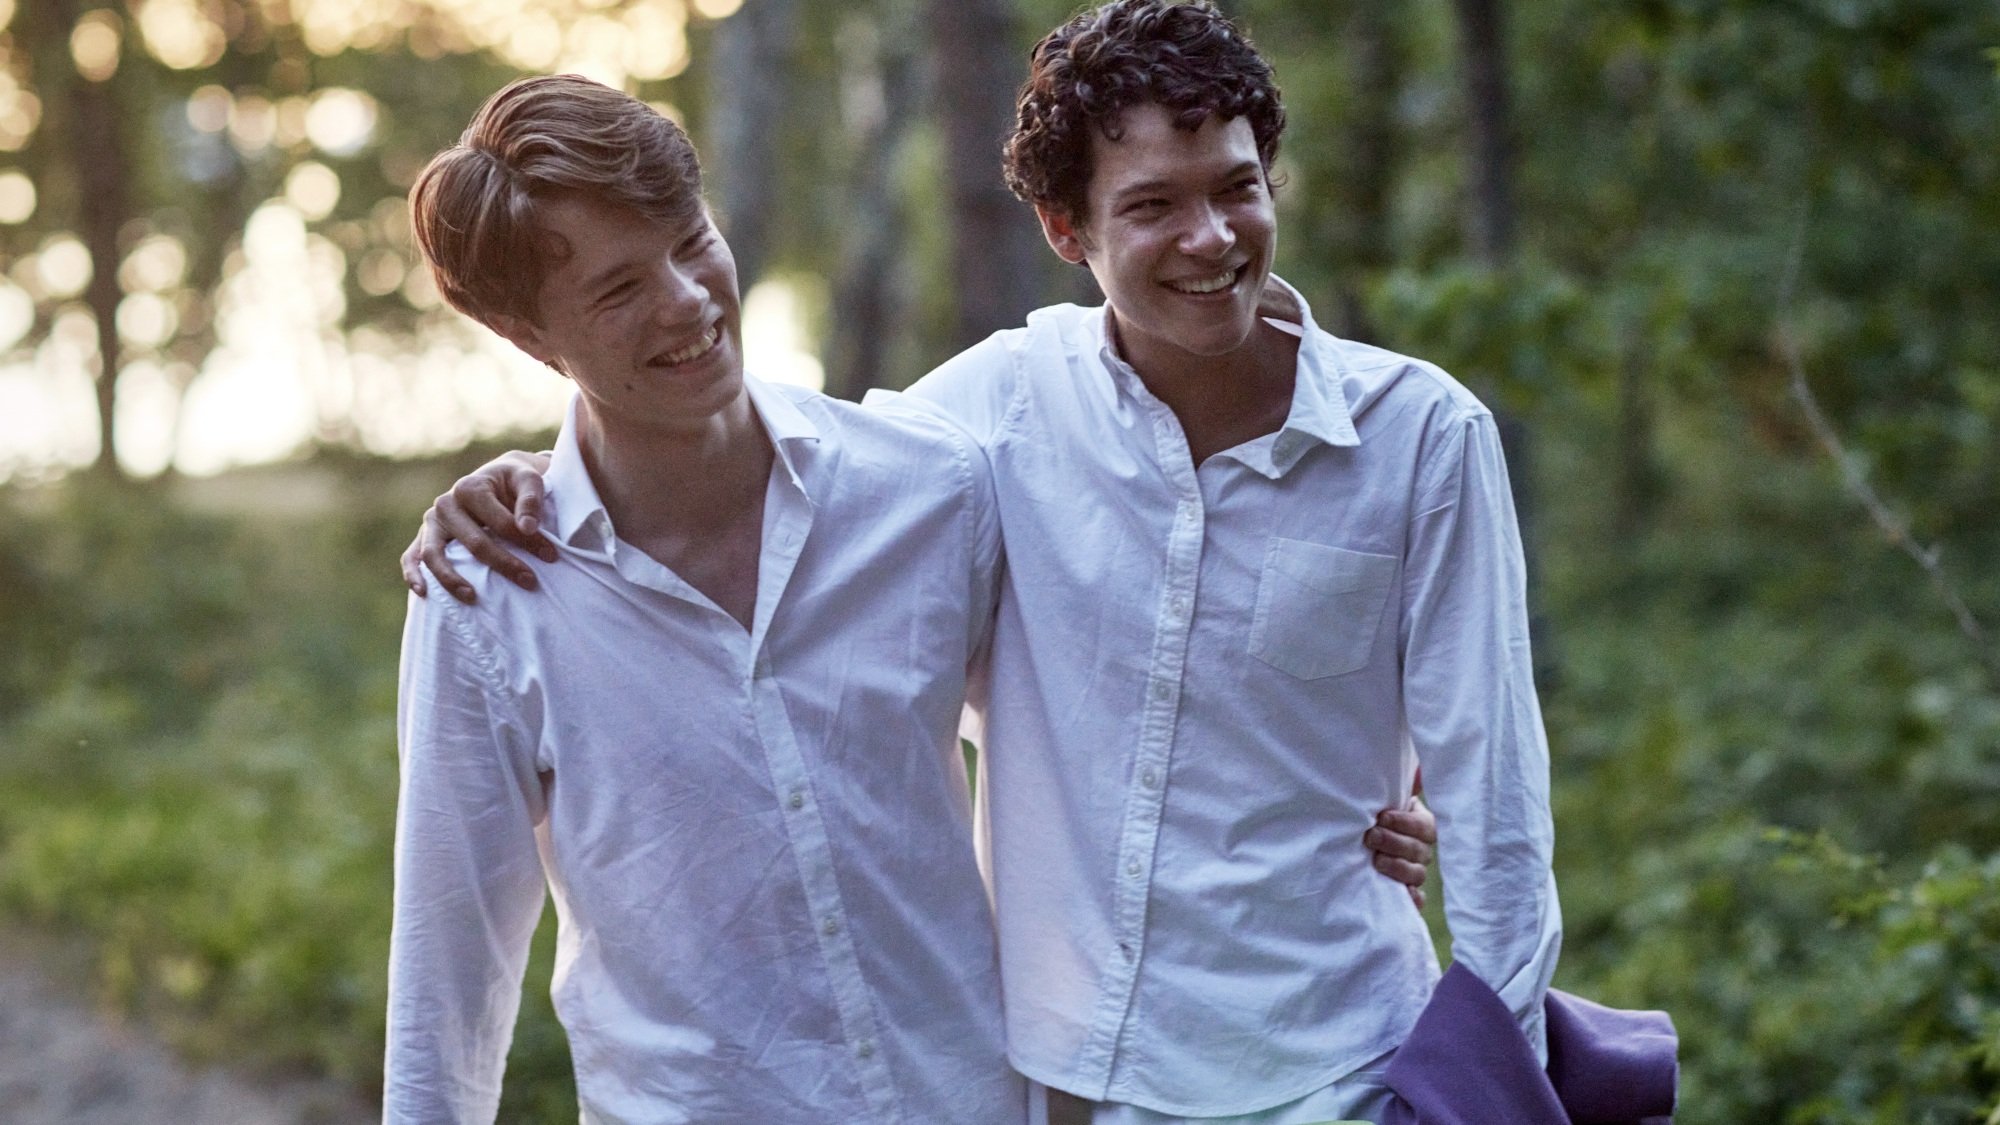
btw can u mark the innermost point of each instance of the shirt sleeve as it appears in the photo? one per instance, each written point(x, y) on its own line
point(972, 391)
point(974, 388)
point(1475, 722)
point(989, 568)
point(469, 884)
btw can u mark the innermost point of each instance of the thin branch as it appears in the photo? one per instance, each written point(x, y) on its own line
point(1893, 525)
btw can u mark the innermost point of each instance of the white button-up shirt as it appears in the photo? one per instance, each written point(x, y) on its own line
point(1205, 682)
point(759, 842)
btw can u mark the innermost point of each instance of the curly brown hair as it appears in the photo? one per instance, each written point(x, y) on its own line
point(476, 207)
point(1184, 56)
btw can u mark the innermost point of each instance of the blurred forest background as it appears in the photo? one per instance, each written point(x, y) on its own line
point(1731, 266)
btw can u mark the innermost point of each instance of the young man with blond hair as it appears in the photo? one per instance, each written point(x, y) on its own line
point(723, 732)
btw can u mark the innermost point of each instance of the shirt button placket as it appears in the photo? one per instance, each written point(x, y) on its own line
point(1183, 559)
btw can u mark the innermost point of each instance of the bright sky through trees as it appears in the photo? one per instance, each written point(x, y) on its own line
point(288, 365)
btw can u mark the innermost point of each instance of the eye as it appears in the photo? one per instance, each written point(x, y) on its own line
point(1152, 205)
point(1246, 187)
point(694, 243)
point(617, 294)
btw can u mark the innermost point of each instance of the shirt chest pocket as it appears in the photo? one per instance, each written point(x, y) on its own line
point(1319, 608)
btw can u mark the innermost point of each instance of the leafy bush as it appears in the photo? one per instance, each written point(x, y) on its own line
point(198, 743)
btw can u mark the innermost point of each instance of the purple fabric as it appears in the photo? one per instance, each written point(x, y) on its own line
point(1610, 1067)
point(1467, 1063)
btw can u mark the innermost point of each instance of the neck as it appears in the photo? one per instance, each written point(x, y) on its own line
point(1225, 400)
point(660, 479)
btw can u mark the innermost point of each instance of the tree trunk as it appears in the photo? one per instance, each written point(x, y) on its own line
point(1483, 41)
point(1371, 145)
point(1490, 236)
point(995, 243)
point(96, 152)
point(1638, 476)
point(748, 86)
point(866, 305)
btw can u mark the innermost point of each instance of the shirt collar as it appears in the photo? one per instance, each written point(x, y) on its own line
point(1319, 401)
point(576, 512)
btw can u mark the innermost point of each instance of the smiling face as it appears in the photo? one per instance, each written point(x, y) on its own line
point(1178, 230)
point(643, 316)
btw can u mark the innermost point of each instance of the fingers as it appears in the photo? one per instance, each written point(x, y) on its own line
point(430, 547)
point(1413, 819)
point(1386, 839)
point(483, 505)
point(504, 498)
point(1402, 842)
point(481, 533)
point(528, 514)
point(413, 570)
point(1411, 875)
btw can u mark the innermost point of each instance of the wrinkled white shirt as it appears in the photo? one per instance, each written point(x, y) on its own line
point(1206, 681)
point(759, 843)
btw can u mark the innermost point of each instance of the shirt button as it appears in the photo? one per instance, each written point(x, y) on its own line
point(1161, 690)
point(1180, 605)
point(1131, 867)
point(1125, 947)
point(798, 800)
point(866, 1049)
point(830, 927)
point(1149, 778)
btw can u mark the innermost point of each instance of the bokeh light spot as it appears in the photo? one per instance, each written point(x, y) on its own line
point(95, 43)
point(716, 9)
point(146, 320)
point(313, 189)
point(655, 44)
point(17, 314)
point(17, 197)
point(20, 113)
point(180, 34)
point(63, 266)
point(253, 123)
point(380, 272)
point(156, 265)
point(208, 109)
point(341, 122)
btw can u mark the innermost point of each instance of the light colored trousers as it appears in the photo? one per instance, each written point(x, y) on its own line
point(1359, 1096)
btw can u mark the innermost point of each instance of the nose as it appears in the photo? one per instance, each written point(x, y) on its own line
point(681, 298)
point(1209, 233)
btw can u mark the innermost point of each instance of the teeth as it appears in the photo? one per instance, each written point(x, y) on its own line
point(698, 348)
point(1206, 284)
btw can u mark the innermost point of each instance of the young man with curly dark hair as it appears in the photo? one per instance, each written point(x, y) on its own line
point(1319, 586)
point(1256, 575)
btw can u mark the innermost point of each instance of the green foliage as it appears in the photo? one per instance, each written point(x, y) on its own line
point(1775, 761)
point(197, 740)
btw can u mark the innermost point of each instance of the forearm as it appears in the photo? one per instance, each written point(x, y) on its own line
point(1476, 724)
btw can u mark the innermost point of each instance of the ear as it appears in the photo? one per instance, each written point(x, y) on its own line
point(523, 334)
point(1063, 235)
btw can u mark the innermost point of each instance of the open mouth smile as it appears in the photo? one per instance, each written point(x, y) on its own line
point(701, 346)
point(1215, 284)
